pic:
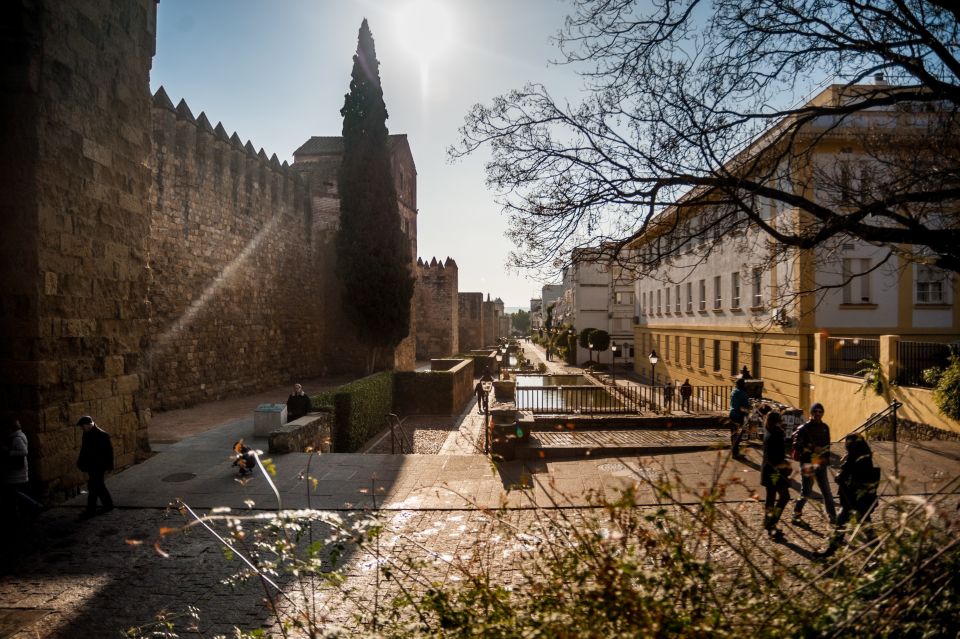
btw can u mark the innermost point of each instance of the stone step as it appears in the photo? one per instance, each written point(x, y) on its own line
point(544, 444)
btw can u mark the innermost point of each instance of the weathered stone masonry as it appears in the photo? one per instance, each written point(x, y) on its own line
point(148, 260)
point(437, 309)
point(236, 282)
point(75, 179)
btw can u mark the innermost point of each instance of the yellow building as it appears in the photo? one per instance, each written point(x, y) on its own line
point(729, 297)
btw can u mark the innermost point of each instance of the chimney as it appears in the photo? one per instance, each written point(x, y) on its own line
point(878, 79)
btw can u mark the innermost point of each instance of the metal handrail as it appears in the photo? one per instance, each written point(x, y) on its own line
point(877, 418)
point(398, 436)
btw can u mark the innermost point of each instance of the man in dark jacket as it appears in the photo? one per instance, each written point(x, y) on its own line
point(739, 407)
point(96, 458)
point(811, 447)
point(298, 403)
point(857, 480)
point(774, 473)
point(857, 484)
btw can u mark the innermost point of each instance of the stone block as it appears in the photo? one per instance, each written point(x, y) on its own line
point(49, 283)
point(97, 152)
point(113, 365)
point(96, 389)
point(312, 431)
point(268, 418)
point(128, 384)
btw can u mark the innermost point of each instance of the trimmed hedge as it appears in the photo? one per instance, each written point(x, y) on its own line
point(358, 409)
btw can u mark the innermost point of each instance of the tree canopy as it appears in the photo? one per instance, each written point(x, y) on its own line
point(691, 102)
point(373, 254)
point(520, 322)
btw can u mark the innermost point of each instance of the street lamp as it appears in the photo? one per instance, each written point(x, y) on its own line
point(654, 358)
point(613, 369)
point(486, 383)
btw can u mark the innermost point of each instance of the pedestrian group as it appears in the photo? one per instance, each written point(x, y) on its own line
point(857, 480)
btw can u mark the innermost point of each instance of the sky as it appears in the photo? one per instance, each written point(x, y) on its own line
point(276, 73)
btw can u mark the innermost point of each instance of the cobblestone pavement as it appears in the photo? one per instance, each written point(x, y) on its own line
point(421, 434)
point(65, 578)
point(98, 577)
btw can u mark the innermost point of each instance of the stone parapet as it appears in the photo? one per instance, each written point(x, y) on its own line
point(308, 433)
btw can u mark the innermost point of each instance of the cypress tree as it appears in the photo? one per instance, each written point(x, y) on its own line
point(373, 254)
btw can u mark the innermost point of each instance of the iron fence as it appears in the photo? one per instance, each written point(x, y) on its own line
point(632, 399)
point(845, 353)
point(915, 357)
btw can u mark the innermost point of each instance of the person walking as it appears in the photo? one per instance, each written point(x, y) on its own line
point(686, 392)
point(668, 396)
point(16, 475)
point(739, 406)
point(96, 458)
point(857, 484)
point(857, 481)
point(774, 473)
point(811, 447)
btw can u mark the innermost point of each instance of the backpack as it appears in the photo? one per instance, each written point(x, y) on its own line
point(797, 443)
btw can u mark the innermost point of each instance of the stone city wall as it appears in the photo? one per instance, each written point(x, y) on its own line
point(470, 321)
point(437, 309)
point(492, 315)
point(238, 277)
point(75, 143)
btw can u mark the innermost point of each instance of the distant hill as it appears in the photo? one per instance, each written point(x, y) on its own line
point(510, 310)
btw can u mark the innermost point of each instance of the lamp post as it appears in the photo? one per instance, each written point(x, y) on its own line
point(572, 342)
point(653, 366)
point(499, 358)
point(486, 383)
point(615, 350)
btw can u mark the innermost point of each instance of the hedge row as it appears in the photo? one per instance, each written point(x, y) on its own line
point(359, 408)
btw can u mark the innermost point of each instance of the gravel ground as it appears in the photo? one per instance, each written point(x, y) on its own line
point(426, 433)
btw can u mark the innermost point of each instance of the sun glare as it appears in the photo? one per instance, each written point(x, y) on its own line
point(424, 28)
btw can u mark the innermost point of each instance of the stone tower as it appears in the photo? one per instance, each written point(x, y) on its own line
point(437, 309)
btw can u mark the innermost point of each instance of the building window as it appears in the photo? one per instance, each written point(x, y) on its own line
point(658, 302)
point(931, 285)
point(702, 354)
point(676, 349)
point(666, 349)
point(703, 295)
point(735, 290)
point(666, 292)
point(734, 357)
point(757, 292)
point(676, 302)
point(717, 293)
point(689, 297)
point(623, 298)
point(856, 280)
point(755, 357)
point(716, 355)
point(689, 351)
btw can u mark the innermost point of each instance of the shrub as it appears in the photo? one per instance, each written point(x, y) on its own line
point(675, 568)
point(946, 393)
point(359, 408)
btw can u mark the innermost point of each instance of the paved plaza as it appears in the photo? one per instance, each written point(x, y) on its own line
point(69, 578)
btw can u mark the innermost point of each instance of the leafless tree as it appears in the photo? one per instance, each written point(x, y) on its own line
point(699, 106)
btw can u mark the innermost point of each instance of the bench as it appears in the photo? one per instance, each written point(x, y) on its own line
point(312, 431)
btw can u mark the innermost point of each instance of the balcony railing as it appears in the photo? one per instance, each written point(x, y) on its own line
point(845, 353)
point(632, 399)
point(916, 357)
